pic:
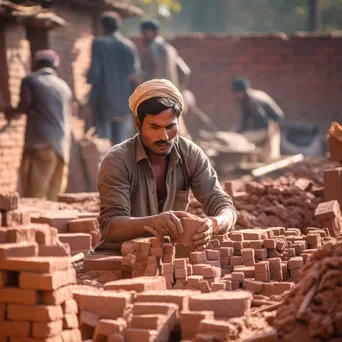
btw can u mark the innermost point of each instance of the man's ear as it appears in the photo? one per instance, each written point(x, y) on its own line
point(137, 123)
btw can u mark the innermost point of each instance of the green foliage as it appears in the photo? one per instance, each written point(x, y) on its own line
point(236, 16)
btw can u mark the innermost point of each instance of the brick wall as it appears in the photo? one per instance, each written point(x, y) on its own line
point(15, 61)
point(65, 39)
point(303, 73)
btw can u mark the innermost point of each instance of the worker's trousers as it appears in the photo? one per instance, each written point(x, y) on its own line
point(43, 174)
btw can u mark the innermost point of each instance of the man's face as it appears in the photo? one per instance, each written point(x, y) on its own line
point(159, 132)
point(148, 35)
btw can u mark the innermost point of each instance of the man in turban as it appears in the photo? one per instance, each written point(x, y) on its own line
point(146, 180)
point(47, 101)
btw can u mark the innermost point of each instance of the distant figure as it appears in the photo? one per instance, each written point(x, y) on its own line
point(261, 116)
point(113, 74)
point(258, 108)
point(47, 101)
point(160, 60)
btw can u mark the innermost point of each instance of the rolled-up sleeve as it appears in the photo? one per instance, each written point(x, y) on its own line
point(206, 187)
point(113, 185)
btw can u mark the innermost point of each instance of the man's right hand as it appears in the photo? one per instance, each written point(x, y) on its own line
point(168, 223)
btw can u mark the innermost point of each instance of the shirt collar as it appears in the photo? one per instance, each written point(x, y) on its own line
point(48, 70)
point(140, 152)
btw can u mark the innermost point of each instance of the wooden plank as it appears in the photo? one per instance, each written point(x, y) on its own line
point(280, 164)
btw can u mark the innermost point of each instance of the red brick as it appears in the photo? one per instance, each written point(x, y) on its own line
point(57, 219)
point(56, 297)
point(16, 217)
point(116, 338)
point(179, 297)
point(197, 257)
point(253, 286)
point(34, 313)
point(58, 251)
point(35, 264)
point(107, 304)
point(167, 268)
point(83, 225)
point(263, 276)
point(235, 260)
point(256, 244)
point(73, 335)
point(70, 307)
point(70, 321)
point(281, 287)
point(190, 322)
point(2, 312)
point(95, 237)
point(106, 327)
point(327, 210)
point(88, 318)
point(138, 284)
point(46, 235)
point(238, 277)
point(167, 309)
point(46, 281)
point(168, 248)
point(269, 243)
point(10, 250)
point(224, 304)
point(212, 254)
point(180, 263)
point(18, 296)
point(15, 329)
point(141, 335)
point(9, 200)
point(151, 322)
point(101, 262)
point(21, 234)
point(50, 329)
point(262, 267)
point(295, 263)
point(77, 241)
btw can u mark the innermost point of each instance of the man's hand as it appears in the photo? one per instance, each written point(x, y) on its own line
point(203, 235)
point(168, 223)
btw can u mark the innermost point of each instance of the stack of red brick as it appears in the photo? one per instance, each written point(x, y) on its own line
point(35, 276)
point(79, 230)
point(141, 309)
point(261, 261)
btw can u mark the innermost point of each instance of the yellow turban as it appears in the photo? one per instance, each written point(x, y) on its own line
point(155, 88)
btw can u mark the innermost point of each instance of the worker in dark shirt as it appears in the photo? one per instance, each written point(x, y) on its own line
point(261, 116)
point(258, 108)
point(113, 74)
point(46, 100)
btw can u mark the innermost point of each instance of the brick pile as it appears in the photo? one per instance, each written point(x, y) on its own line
point(35, 276)
point(312, 311)
point(79, 229)
point(265, 261)
point(141, 309)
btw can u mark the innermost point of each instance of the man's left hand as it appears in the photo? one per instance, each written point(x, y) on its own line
point(203, 235)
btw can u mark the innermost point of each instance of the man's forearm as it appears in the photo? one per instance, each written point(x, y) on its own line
point(123, 228)
point(226, 219)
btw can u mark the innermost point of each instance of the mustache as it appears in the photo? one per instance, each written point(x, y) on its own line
point(163, 142)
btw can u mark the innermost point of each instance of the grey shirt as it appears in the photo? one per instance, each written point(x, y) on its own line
point(47, 101)
point(127, 186)
point(114, 60)
point(258, 108)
